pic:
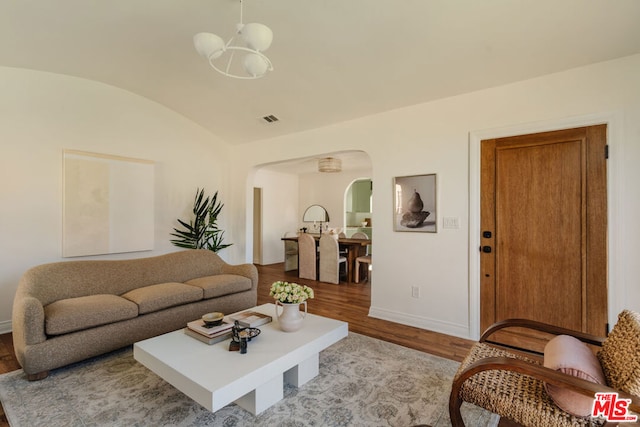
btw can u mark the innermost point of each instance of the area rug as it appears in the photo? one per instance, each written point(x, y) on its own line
point(362, 382)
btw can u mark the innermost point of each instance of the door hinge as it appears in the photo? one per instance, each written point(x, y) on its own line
point(606, 327)
point(606, 151)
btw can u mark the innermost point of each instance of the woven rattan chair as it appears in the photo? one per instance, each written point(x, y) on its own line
point(307, 257)
point(512, 385)
point(330, 260)
point(290, 252)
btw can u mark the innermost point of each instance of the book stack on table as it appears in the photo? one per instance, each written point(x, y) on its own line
point(248, 319)
point(210, 335)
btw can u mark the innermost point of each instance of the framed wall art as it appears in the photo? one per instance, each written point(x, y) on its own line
point(414, 203)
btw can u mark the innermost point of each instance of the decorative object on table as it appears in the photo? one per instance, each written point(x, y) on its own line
point(213, 319)
point(289, 296)
point(223, 336)
point(240, 337)
point(220, 54)
point(414, 202)
point(202, 232)
point(202, 328)
point(249, 319)
point(208, 333)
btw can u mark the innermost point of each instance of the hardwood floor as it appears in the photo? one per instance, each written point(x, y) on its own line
point(350, 303)
point(347, 302)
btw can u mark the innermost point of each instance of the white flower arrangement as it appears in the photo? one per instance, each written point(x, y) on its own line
point(290, 293)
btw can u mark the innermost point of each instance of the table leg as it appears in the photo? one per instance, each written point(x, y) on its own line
point(303, 372)
point(264, 396)
point(351, 261)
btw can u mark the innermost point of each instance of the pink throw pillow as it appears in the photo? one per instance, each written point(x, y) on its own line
point(573, 357)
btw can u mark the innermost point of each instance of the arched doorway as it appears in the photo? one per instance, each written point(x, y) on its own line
point(358, 207)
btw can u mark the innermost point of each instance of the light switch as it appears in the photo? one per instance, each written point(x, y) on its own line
point(451, 222)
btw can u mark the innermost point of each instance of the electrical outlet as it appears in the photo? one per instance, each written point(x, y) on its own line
point(415, 292)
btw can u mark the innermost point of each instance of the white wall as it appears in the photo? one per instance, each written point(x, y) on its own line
point(40, 115)
point(434, 138)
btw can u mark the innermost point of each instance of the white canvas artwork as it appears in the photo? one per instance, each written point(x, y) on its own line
point(108, 204)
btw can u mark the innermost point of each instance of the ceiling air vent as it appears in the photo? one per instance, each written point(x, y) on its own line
point(270, 118)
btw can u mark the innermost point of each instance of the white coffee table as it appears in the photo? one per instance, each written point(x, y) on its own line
point(213, 376)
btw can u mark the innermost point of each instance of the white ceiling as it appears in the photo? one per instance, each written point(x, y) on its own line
point(334, 60)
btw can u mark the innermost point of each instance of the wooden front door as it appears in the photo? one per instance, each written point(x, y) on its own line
point(544, 229)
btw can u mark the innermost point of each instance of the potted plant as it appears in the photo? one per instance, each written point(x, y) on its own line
point(202, 232)
point(289, 296)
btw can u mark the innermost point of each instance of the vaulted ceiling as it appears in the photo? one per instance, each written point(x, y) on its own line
point(334, 60)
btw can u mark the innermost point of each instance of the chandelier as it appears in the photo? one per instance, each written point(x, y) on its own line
point(253, 64)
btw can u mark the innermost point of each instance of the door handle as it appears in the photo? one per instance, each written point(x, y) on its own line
point(486, 249)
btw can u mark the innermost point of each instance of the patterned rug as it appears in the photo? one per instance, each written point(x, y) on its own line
point(362, 382)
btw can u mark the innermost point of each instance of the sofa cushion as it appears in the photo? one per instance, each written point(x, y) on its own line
point(221, 284)
point(74, 314)
point(164, 295)
point(571, 356)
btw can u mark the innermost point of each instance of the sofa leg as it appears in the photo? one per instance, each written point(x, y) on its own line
point(39, 376)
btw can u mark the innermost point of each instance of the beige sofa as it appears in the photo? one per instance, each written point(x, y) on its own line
point(65, 312)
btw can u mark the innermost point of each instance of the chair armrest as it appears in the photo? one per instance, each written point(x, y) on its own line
point(542, 327)
point(546, 375)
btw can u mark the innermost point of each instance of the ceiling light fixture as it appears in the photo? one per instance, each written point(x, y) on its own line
point(329, 164)
point(220, 55)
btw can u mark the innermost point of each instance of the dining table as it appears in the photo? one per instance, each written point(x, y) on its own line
point(354, 247)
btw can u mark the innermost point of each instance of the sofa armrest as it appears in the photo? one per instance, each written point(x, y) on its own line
point(28, 320)
point(246, 270)
point(27, 323)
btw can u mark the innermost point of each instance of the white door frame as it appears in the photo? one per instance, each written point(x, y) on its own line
point(616, 284)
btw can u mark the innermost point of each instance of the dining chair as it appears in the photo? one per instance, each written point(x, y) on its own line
point(343, 251)
point(330, 259)
point(363, 259)
point(307, 257)
point(290, 252)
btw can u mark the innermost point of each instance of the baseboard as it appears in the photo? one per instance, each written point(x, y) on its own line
point(460, 331)
point(5, 327)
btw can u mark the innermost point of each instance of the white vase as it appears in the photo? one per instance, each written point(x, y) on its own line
point(291, 318)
